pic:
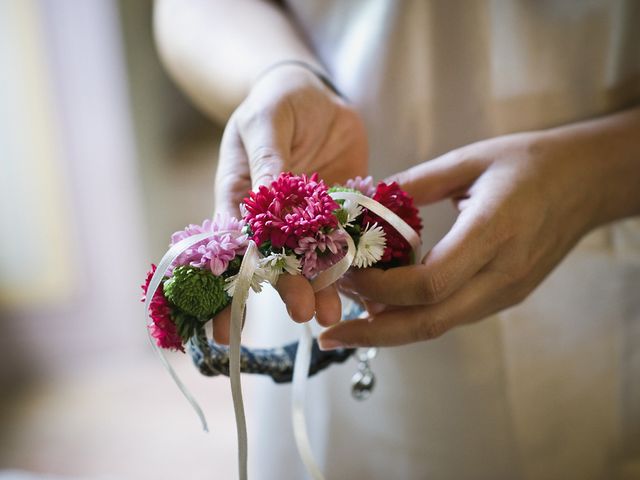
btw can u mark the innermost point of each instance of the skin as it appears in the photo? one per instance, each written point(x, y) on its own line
point(278, 119)
point(524, 200)
point(289, 122)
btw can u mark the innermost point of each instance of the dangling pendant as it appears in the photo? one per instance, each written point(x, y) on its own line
point(363, 380)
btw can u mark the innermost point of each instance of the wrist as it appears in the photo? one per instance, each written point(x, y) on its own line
point(304, 67)
point(605, 157)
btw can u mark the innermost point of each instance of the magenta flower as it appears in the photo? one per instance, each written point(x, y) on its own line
point(397, 250)
point(321, 251)
point(291, 208)
point(216, 252)
point(163, 329)
point(363, 185)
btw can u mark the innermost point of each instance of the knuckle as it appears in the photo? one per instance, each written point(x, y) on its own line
point(264, 156)
point(362, 336)
point(429, 329)
point(514, 286)
point(519, 294)
point(265, 163)
point(434, 287)
point(365, 339)
point(252, 115)
point(401, 178)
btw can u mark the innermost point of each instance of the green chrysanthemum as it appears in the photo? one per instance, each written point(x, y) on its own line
point(196, 291)
point(340, 188)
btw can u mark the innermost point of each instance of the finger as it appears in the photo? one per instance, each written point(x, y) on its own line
point(297, 294)
point(463, 251)
point(267, 142)
point(221, 326)
point(440, 178)
point(233, 178)
point(483, 296)
point(328, 306)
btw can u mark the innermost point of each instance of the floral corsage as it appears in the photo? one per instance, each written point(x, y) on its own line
point(299, 229)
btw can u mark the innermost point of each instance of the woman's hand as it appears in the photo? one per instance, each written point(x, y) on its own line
point(290, 121)
point(524, 202)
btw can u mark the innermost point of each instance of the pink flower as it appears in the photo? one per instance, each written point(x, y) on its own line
point(216, 252)
point(291, 208)
point(363, 185)
point(321, 251)
point(163, 329)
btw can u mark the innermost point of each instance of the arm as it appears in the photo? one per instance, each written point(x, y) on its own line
point(216, 49)
point(286, 119)
point(524, 200)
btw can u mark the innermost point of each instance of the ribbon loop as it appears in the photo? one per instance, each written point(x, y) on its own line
point(164, 265)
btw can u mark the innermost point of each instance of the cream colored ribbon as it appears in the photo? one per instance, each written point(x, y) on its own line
point(164, 265)
point(238, 305)
point(303, 354)
point(243, 284)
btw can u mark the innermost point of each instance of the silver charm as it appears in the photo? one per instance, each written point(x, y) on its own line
point(363, 380)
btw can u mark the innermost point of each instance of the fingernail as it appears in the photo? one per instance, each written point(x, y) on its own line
point(329, 344)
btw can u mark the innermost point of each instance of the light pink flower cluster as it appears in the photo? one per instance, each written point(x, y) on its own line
point(321, 251)
point(296, 212)
point(216, 252)
point(366, 186)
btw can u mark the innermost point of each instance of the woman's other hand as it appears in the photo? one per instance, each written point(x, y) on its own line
point(524, 200)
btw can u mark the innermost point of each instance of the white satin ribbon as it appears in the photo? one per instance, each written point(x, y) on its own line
point(238, 305)
point(298, 394)
point(392, 218)
point(164, 265)
point(303, 354)
point(303, 360)
point(243, 284)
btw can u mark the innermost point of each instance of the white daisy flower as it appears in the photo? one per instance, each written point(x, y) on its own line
point(370, 246)
point(258, 278)
point(268, 270)
point(349, 211)
point(277, 263)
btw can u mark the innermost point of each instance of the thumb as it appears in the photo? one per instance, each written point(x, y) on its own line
point(233, 180)
point(267, 145)
point(440, 178)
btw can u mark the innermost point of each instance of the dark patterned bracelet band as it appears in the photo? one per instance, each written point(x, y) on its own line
point(212, 359)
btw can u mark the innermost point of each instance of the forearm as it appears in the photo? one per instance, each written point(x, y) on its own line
point(215, 49)
point(606, 150)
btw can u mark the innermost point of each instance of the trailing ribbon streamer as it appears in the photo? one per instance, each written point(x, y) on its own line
point(164, 265)
point(323, 280)
point(243, 282)
point(238, 304)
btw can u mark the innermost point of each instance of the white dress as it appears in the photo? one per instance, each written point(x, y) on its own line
point(547, 390)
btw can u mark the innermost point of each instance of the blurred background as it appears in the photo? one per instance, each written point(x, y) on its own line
point(101, 159)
